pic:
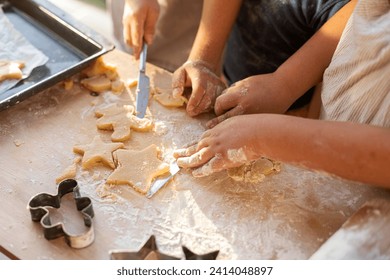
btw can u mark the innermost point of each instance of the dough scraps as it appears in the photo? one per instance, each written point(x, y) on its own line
point(10, 70)
point(69, 172)
point(121, 120)
point(132, 83)
point(99, 67)
point(117, 86)
point(97, 152)
point(137, 168)
point(165, 98)
point(254, 171)
point(68, 84)
point(102, 77)
point(18, 142)
point(97, 83)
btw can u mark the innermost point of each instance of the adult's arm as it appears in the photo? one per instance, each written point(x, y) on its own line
point(217, 20)
point(200, 71)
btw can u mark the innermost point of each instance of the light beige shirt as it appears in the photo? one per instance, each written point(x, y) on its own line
point(356, 85)
point(175, 31)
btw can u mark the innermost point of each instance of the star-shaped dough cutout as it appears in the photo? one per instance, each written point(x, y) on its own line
point(121, 120)
point(148, 251)
point(97, 152)
point(137, 168)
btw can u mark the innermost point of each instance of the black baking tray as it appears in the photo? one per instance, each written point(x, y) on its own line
point(69, 45)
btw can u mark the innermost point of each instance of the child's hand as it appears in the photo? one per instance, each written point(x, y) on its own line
point(206, 86)
point(229, 144)
point(257, 94)
point(139, 23)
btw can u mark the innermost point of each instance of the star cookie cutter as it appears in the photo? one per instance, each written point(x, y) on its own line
point(39, 213)
point(149, 251)
point(192, 256)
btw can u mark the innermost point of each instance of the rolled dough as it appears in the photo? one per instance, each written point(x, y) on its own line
point(165, 98)
point(121, 120)
point(137, 168)
point(97, 152)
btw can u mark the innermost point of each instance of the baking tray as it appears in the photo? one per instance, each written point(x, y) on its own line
point(69, 45)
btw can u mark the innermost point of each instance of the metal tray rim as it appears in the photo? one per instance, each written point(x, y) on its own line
point(98, 40)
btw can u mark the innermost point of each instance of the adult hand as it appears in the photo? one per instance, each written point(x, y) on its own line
point(257, 94)
point(206, 86)
point(229, 144)
point(139, 23)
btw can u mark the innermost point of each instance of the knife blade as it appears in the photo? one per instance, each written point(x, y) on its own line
point(143, 86)
point(161, 182)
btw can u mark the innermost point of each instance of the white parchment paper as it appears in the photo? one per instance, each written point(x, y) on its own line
point(15, 47)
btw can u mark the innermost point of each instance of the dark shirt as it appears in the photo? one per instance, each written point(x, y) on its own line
point(268, 32)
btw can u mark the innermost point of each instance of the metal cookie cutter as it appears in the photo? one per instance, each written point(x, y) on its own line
point(192, 256)
point(39, 213)
point(149, 251)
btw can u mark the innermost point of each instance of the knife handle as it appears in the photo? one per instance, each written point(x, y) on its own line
point(142, 62)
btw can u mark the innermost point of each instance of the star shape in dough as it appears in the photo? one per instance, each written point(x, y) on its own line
point(148, 251)
point(121, 120)
point(97, 152)
point(137, 168)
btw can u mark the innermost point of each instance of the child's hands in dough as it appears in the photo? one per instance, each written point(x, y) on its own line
point(229, 144)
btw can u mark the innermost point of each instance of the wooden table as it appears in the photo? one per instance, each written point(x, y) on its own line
point(364, 236)
point(288, 216)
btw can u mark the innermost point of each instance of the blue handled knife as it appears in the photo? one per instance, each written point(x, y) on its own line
point(143, 86)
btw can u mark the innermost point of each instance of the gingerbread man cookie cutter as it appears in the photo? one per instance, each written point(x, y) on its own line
point(39, 203)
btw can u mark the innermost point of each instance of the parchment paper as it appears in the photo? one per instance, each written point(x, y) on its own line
point(15, 47)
